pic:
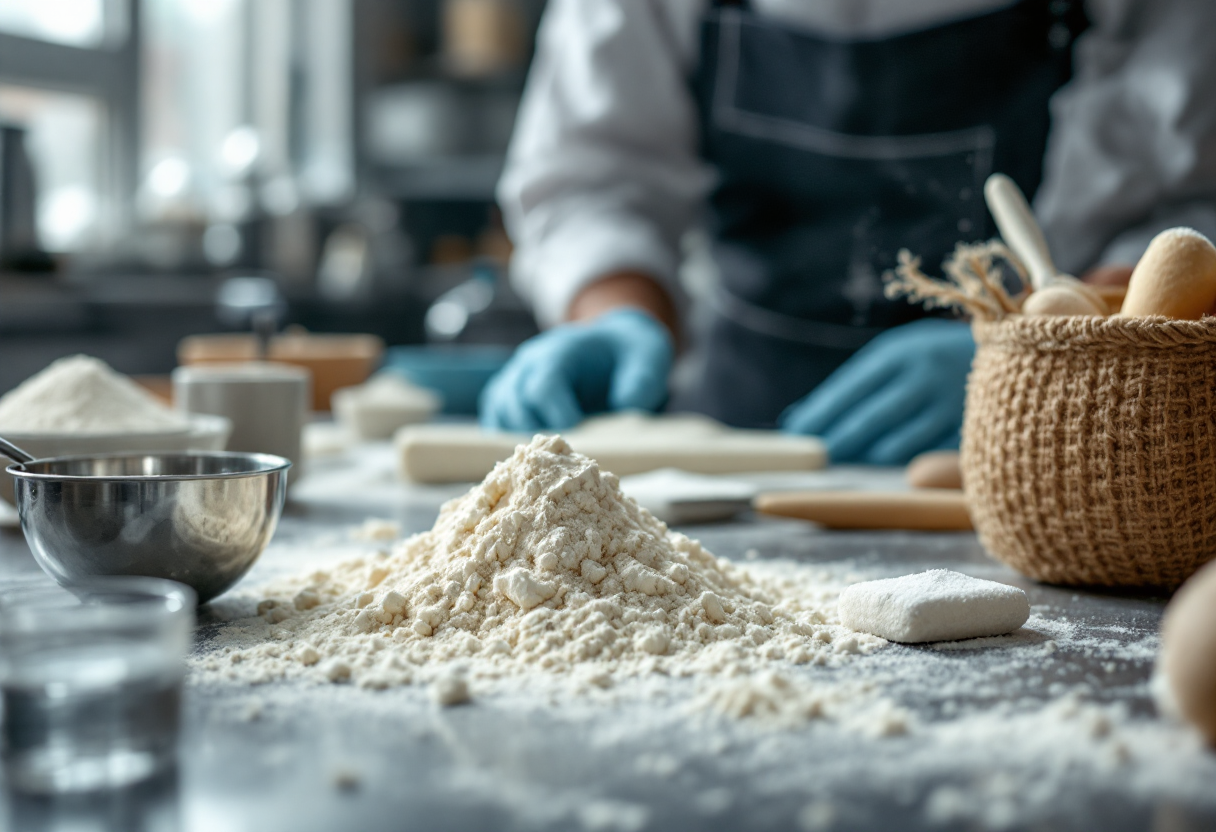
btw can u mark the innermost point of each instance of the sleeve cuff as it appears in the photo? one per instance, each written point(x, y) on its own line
point(551, 273)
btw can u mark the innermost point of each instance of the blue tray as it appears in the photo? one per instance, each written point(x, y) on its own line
point(457, 372)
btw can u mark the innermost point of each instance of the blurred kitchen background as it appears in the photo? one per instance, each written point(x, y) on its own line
point(181, 167)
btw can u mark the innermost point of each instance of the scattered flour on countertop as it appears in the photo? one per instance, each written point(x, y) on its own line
point(376, 528)
point(965, 738)
point(545, 567)
point(79, 394)
point(1035, 728)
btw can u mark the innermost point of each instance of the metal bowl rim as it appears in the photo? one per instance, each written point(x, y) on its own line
point(277, 464)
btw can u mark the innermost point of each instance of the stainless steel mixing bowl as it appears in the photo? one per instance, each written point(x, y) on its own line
point(198, 518)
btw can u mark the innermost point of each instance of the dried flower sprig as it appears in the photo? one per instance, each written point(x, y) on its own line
point(973, 284)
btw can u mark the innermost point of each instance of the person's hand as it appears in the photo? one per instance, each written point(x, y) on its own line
point(617, 361)
point(900, 395)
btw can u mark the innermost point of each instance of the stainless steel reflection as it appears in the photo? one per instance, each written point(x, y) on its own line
point(198, 518)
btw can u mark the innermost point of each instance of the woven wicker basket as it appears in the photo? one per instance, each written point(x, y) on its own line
point(1089, 447)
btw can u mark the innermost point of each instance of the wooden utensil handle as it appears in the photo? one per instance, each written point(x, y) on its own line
point(1019, 228)
point(937, 510)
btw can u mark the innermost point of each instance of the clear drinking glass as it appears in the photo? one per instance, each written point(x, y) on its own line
point(91, 682)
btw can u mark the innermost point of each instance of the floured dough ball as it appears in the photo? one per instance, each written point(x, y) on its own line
point(1064, 298)
point(1176, 277)
point(1188, 650)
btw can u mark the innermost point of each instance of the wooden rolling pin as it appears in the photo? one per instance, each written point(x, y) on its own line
point(927, 510)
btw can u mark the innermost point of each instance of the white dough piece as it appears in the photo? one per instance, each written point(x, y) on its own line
point(377, 408)
point(623, 443)
point(938, 605)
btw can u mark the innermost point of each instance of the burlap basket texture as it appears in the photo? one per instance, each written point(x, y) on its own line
point(1089, 447)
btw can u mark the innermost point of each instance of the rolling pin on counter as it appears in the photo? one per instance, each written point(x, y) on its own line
point(935, 502)
point(630, 444)
point(924, 510)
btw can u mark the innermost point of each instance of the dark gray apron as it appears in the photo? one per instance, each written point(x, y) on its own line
point(832, 156)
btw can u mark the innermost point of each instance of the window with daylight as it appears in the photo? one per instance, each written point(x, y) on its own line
point(69, 94)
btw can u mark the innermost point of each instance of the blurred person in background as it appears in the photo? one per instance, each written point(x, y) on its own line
point(814, 139)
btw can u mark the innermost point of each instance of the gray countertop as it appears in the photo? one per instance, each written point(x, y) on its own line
point(1051, 728)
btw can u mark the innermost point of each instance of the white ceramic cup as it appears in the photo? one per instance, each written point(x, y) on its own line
point(267, 403)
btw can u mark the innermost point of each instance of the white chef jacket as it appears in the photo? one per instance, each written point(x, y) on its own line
point(603, 172)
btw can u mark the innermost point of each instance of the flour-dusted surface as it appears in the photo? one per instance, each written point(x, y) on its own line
point(544, 568)
point(80, 394)
point(938, 605)
point(1049, 728)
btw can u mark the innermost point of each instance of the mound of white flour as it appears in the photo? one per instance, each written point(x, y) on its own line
point(80, 394)
point(543, 567)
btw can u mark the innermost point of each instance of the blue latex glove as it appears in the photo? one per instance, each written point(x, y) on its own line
point(617, 361)
point(900, 395)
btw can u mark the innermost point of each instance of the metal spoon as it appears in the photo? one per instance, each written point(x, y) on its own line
point(14, 453)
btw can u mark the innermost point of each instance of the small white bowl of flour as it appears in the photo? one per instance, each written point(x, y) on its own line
point(79, 405)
